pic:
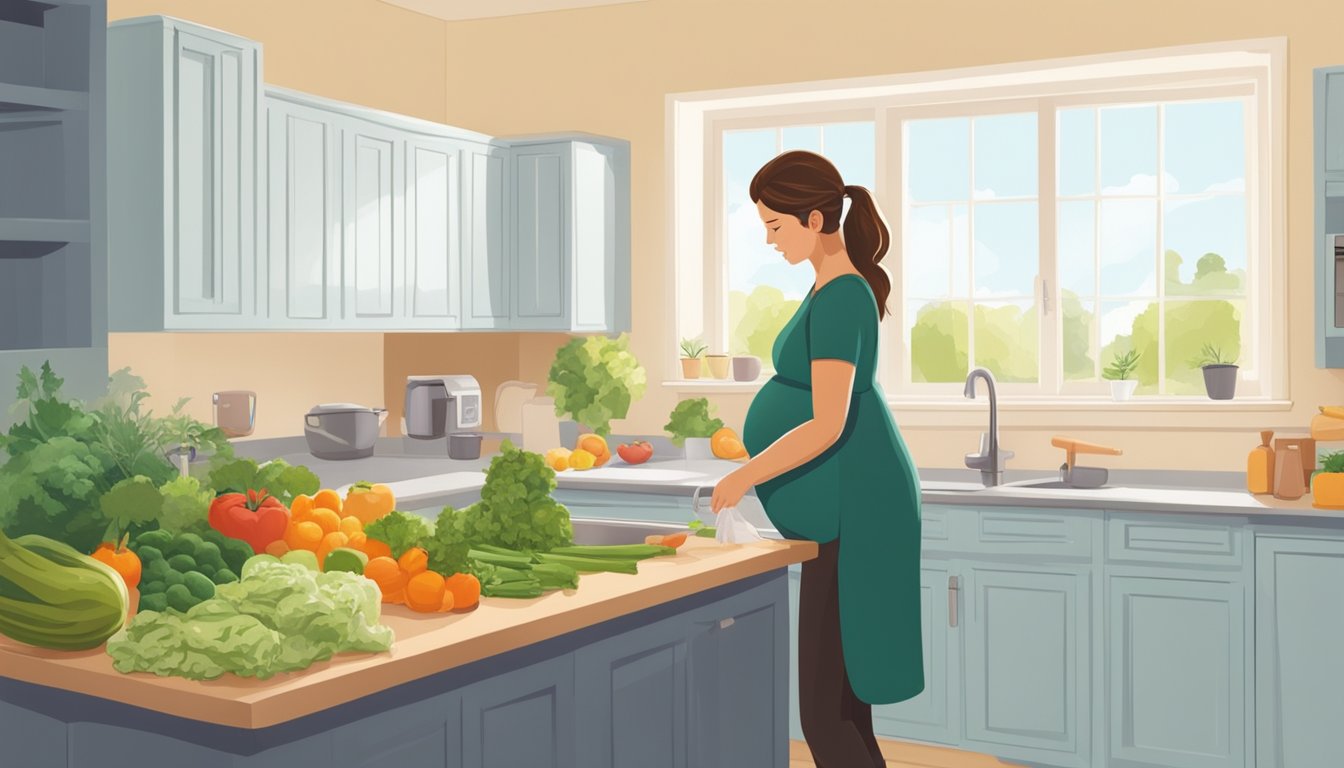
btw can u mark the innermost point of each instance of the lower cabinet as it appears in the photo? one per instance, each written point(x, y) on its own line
point(933, 714)
point(523, 718)
point(1299, 626)
point(428, 733)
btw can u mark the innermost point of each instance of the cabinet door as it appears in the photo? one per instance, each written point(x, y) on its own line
point(213, 218)
point(631, 698)
point(521, 718)
point(426, 733)
point(1027, 670)
point(373, 225)
point(1177, 670)
point(1334, 122)
point(1299, 620)
point(597, 241)
point(541, 205)
point(487, 270)
point(305, 222)
point(933, 715)
point(433, 235)
point(737, 670)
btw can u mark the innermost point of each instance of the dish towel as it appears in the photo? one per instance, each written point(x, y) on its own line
point(732, 528)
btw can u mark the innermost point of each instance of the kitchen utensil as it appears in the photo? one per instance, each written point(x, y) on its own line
point(1082, 477)
point(1260, 465)
point(541, 427)
point(1288, 484)
point(235, 412)
point(464, 445)
point(509, 400)
point(440, 405)
point(1307, 446)
point(746, 368)
point(339, 431)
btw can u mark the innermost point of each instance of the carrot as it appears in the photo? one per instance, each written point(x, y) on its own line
point(674, 540)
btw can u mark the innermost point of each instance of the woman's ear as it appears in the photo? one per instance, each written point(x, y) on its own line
point(815, 220)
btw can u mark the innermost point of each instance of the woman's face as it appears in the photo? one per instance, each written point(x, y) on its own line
point(788, 235)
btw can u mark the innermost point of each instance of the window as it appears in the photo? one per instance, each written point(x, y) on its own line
point(1045, 222)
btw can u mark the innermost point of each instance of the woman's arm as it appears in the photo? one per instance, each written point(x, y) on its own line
point(832, 386)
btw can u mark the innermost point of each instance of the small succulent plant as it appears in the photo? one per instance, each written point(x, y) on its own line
point(1122, 366)
point(1211, 355)
point(692, 348)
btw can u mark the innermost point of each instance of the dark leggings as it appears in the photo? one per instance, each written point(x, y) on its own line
point(837, 725)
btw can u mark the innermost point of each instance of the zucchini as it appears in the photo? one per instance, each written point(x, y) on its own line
point(52, 596)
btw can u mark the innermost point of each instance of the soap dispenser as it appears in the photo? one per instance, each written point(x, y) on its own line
point(1260, 466)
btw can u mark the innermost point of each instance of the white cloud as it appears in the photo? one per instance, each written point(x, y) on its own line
point(1139, 184)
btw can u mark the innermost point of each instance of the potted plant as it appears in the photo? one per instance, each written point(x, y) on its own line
point(1327, 485)
point(691, 350)
point(718, 366)
point(1120, 373)
point(692, 425)
point(594, 380)
point(1220, 375)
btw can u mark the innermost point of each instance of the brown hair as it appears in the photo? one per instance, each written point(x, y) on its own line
point(798, 183)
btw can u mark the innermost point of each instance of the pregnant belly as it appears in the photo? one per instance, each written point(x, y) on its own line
point(776, 409)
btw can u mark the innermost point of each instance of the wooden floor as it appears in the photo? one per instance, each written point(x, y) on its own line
point(901, 754)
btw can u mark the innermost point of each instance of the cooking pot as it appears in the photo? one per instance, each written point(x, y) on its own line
point(340, 431)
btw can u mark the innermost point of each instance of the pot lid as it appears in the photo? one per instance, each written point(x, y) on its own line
point(342, 408)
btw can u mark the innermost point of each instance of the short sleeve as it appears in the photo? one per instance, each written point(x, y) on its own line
point(840, 315)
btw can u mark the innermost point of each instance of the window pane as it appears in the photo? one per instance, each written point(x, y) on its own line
point(1005, 156)
point(755, 319)
point(938, 159)
point(939, 342)
point(1077, 247)
point(744, 152)
point(961, 250)
point(1007, 252)
point(1205, 243)
point(806, 137)
point(928, 252)
point(1007, 340)
point(1128, 247)
point(1079, 337)
point(1129, 150)
point(1131, 325)
point(1190, 325)
point(1077, 158)
point(851, 147)
point(1204, 147)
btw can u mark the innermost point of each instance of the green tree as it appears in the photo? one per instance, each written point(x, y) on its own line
point(1077, 337)
point(755, 320)
point(939, 343)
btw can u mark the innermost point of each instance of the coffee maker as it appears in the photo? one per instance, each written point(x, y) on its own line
point(437, 406)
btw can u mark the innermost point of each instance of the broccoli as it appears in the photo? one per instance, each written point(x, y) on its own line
point(152, 588)
point(209, 554)
point(235, 552)
point(154, 602)
point(225, 576)
point(180, 598)
point(156, 570)
point(201, 587)
point(205, 569)
point(182, 563)
point(159, 540)
point(149, 554)
point(172, 577)
point(186, 544)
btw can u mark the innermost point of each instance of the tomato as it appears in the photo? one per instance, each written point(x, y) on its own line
point(637, 452)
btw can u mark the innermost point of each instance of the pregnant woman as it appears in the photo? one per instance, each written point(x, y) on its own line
point(829, 465)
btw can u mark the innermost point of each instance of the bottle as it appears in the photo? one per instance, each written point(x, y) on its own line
point(1288, 483)
point(1260, 466)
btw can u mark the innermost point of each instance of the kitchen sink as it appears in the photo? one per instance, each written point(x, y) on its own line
point(950, 485)
point(589, 531)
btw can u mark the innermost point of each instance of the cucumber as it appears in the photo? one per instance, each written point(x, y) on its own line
point(55, 597)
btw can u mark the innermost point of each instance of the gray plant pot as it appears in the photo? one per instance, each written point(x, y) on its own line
point(1220, 381)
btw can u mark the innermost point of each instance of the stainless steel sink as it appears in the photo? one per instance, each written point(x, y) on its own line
point(590, 531)
point(950, 485)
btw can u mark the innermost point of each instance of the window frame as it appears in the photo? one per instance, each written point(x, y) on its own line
point(701, 119)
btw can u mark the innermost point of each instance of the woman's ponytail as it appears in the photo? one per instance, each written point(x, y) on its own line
point(867, 239)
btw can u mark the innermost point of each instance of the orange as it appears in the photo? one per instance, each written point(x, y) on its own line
point(389, 577)
point(329, 521)
point(277, 548)
point(375, 548)
point(465, 588)
point(350, 525)
point(329, 499)
point(301, 508)
point(357, 541)
point(304, 535)
point(414, 561)
point(448, 600)
point(424, 592)
point(329, 542)
point(596, 445)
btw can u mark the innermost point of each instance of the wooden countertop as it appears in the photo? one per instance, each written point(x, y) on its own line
point(425, 643)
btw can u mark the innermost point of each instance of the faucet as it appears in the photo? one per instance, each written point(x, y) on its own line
point(990, 459)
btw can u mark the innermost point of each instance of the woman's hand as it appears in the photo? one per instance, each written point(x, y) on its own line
point(730, 490)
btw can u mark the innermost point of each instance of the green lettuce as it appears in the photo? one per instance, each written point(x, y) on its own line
point(594, 380)
point(691, 418)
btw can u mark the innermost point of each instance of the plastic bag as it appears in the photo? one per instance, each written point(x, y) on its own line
point(732, 528)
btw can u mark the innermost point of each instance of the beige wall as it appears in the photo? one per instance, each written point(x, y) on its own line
point(608, 71)
point(362, 51)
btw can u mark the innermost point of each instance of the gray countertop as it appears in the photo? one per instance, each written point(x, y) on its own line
point(421, 472)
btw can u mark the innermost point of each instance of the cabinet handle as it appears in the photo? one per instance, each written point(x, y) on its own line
point(726, 623)
point(952, 590)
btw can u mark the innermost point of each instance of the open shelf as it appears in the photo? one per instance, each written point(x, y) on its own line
point(46, 299)
point(27, 98)
point(44, 175)
point(43, 231)
point(46, 48)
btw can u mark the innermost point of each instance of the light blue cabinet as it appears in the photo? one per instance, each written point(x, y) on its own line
point(1328, 196)
point(184, 116)
point(541, 254)
point(373, 215)
point(935, 714)
point(523, 718)
point(305, 223)
point(1334, 122)
point(434, 235)
point(1299, 623)
point(486, 265)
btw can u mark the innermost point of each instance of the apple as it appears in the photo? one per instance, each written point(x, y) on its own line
point(637, 452)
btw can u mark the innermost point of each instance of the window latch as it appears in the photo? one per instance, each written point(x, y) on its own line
point(1045, 295)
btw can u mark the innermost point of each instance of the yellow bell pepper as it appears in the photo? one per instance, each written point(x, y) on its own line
point(368, 501)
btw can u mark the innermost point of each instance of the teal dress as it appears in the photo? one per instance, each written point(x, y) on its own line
point(864, 489)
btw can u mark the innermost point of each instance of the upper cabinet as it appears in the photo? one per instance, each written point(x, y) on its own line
point(1329, 230)
point(250, 207)
point(1333, 117)
point(184, 117)
point(53, 222)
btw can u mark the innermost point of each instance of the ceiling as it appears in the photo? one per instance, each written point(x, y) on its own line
point(460, 10)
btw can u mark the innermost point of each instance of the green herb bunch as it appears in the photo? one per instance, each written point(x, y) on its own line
point(1211, 355)
point(1333, 462)
point(1122, 366)
point(594, 380)
point(691, 418)
point(516, 509)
